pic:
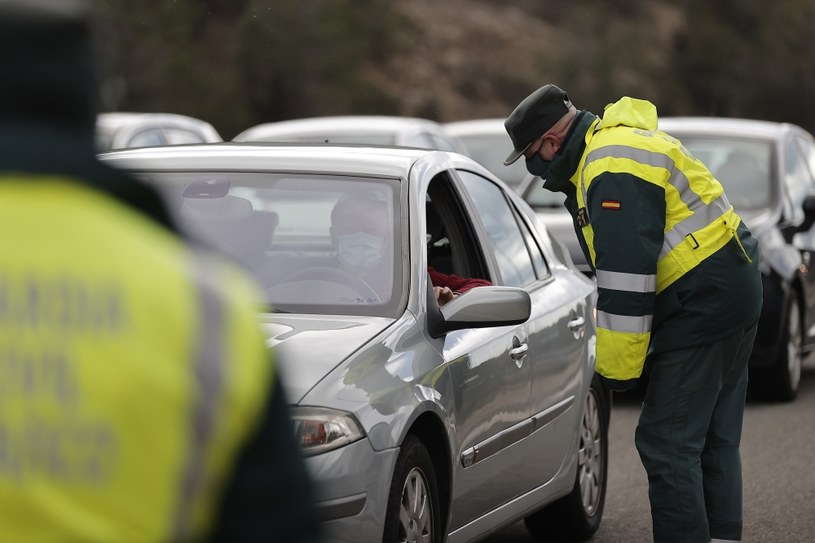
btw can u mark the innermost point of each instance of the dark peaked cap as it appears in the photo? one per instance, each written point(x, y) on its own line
point(535, 115)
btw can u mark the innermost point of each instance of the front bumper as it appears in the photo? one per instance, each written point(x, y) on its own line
point(353, 484)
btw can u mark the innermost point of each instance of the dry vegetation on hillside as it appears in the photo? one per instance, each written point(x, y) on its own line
point(464, 59)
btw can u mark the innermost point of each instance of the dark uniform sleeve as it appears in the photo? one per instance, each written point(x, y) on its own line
point(627, 216)
point(270, 496)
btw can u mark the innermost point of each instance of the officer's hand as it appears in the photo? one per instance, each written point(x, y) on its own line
point(617, 385)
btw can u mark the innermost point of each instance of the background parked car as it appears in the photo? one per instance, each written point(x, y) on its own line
point(419, 422)
point(768, 171)
point(119, 130)
point(359, 129)
point(487, 141)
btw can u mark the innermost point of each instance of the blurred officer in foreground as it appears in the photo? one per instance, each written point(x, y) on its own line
point(678, 285)
point(137, 399)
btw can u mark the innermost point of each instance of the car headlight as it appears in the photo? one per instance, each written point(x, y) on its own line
point(319, 430)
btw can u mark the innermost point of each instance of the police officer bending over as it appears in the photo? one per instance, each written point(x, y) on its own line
point(678, 285)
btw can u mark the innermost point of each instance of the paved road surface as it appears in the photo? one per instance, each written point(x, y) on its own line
point(778, 455)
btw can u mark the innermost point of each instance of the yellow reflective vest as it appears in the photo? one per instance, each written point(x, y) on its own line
point(650, 214)
point(131, 371)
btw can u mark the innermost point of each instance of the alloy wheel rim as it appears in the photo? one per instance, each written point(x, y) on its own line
point(590, 456)
point(415, 512)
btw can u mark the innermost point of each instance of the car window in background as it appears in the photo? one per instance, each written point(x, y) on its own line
point(491, 151)
point(508, 244)
point(798, 183)
point(176, 136)
point(537, 196)
point(808, 150)
point(147, 138)
point(742, 166)
point(422, 140)
point(279, 227)
point(442, 144)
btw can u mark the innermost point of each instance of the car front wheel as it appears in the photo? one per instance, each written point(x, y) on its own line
point(413, 501)
point(576, 516)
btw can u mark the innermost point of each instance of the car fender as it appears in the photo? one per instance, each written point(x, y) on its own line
point(777, 255)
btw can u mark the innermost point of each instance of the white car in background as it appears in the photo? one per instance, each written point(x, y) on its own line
point(418, 422)
point(487, 141)
point(356, 129)
point(120, 130)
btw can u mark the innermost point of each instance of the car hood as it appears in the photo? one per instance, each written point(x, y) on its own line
point(308, 347)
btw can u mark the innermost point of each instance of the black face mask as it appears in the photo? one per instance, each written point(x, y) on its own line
point(538, 166)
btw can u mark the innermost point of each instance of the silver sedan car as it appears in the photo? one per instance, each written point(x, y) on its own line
point(419, 421)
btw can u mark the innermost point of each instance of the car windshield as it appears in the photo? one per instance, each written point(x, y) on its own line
point(317, 244)
point(490, 151)
point(741, 165)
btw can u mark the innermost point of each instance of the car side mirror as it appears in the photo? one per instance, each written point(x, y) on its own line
point(809, 205)
point(482, 307)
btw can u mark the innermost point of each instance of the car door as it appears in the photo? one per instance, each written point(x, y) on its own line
point(490, 376)
point(555, 333)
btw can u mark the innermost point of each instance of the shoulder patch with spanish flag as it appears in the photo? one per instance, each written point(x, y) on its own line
point(610, 204)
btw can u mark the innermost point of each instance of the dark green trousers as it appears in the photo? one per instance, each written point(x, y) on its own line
point(688, 439)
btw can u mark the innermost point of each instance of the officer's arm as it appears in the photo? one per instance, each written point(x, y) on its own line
point(627, 216)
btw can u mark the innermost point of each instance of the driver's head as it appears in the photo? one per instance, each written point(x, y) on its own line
point(359, 230)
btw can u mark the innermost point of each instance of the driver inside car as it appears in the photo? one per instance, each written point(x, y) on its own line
point(360, 234)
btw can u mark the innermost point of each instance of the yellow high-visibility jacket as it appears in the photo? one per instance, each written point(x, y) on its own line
point(671, 256)
point(132, 370)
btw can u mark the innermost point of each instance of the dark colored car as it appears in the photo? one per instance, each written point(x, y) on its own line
point(768, 171)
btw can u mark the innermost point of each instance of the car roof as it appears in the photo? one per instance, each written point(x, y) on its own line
point(381, 161)
point(727, 126)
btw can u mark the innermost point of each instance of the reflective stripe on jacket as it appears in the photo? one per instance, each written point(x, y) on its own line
point(131, 371)
point(650, 213)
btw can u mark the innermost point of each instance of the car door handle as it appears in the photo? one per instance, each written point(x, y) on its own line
point(519, 352)
point(576, 324)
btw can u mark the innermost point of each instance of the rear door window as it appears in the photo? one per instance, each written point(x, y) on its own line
point(506, 239)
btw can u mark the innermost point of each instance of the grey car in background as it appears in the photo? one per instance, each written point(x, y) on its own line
point(120, 130)
point(418, 422)
point(356, 129)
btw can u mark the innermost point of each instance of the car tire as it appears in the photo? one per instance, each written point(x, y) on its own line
point(781, 381)
point(413, 512)
point(576, 516)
